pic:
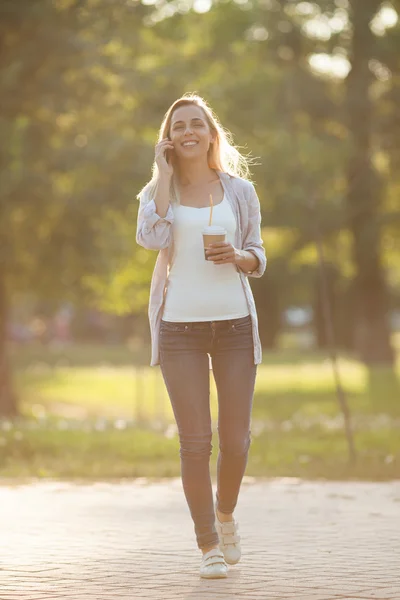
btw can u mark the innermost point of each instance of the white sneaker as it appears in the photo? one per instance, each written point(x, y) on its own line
point(229, 540)
point(213, 565)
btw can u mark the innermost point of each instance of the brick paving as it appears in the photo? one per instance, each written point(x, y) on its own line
point(301, 540)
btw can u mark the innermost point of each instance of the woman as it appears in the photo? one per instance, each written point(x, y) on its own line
point(202, 309)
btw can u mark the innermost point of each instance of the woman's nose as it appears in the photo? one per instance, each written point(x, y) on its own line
point(188, 129)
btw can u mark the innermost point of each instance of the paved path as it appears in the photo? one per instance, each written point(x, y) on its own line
point(301, 540)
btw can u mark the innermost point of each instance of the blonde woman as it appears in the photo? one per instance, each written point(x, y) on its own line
point(202, 310)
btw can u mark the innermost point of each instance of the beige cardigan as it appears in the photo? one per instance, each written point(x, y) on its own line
point(155, 233)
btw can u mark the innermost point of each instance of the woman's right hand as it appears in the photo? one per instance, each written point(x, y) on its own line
point(164, 167)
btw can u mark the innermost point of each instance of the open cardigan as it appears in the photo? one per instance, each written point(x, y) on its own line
point(155, 233)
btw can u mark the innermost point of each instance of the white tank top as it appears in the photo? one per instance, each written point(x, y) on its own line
point(198, 290)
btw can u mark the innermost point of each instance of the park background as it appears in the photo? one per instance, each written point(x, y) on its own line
point(311, 90)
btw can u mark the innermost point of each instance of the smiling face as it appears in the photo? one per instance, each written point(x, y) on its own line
point(190, 132)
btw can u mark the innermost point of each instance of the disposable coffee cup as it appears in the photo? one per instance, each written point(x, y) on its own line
point(212, 234)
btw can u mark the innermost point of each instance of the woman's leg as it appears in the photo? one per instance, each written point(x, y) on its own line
point(235, 375)
point(185, 368)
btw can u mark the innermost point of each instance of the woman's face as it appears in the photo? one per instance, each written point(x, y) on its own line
point(190, 132)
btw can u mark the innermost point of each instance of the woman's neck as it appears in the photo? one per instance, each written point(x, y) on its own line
point(194, 174)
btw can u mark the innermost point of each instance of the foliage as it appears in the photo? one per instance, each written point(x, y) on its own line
point(84, 85)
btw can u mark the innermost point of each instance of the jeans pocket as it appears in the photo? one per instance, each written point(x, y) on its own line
point(243, 325)
point(168, 326)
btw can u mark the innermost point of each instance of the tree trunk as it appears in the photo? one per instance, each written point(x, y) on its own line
point(364, 190)
point(319, 324)
point(8, 401)
point(269, 314)
point(346, 314)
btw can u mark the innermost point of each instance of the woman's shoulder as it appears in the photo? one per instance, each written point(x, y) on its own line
point(146, 193)
point(242, 185)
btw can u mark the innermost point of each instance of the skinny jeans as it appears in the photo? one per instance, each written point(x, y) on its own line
point(185, 349)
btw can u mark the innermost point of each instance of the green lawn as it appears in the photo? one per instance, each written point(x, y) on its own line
point(87, 412)
point(90, 381)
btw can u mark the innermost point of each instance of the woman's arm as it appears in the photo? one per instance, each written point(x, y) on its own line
point(154, 220)
point(247, 261)
point(251, 258)
point(222, 253)
point(155, 214)
point(161, 198)
point(253, 243)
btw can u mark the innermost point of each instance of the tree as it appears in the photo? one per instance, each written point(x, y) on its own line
point(365, 193)
point(84, 85)
point(63, 218)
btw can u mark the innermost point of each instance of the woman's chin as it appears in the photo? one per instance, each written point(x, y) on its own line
point(192, 156)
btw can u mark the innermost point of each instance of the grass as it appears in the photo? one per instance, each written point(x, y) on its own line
point(89, 382)
point(87, 412)
point(136, 452)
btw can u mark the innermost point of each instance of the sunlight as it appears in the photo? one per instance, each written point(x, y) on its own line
point(385, 19)
point(325, 64)
point(307, 8)
point(202, 6)
point(318, 28)
point(339, 21)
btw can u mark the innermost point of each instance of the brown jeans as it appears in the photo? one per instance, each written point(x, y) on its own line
point(184, 360)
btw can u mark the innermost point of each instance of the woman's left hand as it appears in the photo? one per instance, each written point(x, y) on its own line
point(222, 253)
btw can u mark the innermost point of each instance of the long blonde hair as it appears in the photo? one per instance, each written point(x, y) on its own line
point(223, 155)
